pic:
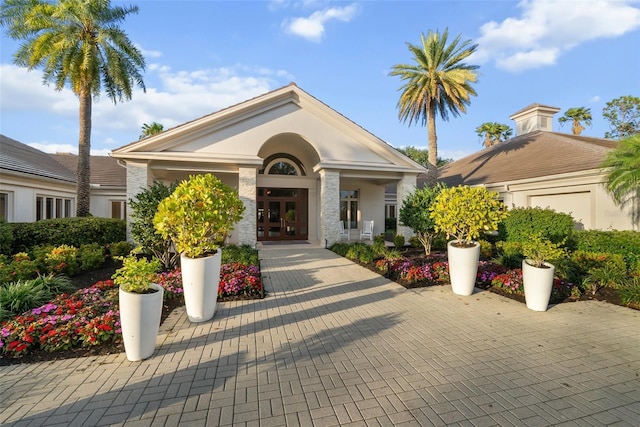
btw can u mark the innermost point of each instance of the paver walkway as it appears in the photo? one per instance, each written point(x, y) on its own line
point(335, 344)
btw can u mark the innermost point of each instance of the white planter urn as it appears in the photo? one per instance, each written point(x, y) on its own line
point(537, 282)
point(463, 267)
point(200, 280)
point(140, 316)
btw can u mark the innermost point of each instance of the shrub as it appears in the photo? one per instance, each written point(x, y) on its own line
point(22, 267)
point(67, 231)
point(415, 214)
point(136, 273)
point(199, 215)
point(6, 238)
point(509, 254)
point(62, 259)
point(244, 254)
point(120, 249)
point(340, 248)
point(605, 276)
point(91, 256)
point(466, 212)
point(143, 209)
point(625, 243)
point(630, 291)
point(398, 242)
point(21, 296)
point(486, 249)
point(524, 222)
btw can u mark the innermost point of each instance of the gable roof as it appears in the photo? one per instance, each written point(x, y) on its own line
point(18, 157)
point(105, 171)
point(226, 136)
point(532, 155)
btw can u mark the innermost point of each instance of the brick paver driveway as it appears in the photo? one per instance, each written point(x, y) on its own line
point(335, 344)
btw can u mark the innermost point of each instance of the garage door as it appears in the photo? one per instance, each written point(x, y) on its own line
point(576, 204)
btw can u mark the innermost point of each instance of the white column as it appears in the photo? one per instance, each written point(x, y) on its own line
point(404, 187)
point(138, 179)
point(246, 228)
point(329, 206)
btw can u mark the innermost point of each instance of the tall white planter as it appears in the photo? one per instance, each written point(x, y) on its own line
point(537, 282)
point(463, 267)
point(140, 316)
point(200, 279)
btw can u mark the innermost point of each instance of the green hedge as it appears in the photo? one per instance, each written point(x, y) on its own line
point(522, 222)
point(66, 231)
point(625, 243)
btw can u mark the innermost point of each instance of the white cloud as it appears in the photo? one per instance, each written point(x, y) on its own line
point(548, 28)
point(181, 96)
point(313, 27)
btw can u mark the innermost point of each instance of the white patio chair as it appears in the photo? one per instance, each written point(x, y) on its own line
point(344, 233)
point(367, 230)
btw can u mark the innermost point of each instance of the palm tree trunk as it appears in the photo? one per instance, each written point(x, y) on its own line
point(432, 168)
point(83, 172)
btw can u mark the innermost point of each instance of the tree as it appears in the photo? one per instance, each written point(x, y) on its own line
point(421, 156)
point(623, 175)
point(439, 82)
point(624, 117)
point(76, 42)
point(143, 209)
point(149, 130)
point(415, 214)
point(493, 133)
point(577, 116)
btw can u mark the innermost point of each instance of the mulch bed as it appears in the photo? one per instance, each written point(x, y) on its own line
point(604, 294)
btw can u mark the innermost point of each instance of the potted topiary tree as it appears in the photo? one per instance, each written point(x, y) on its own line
point(197, 217)
point(140, 303)
point(537, 272)
point(465, 212)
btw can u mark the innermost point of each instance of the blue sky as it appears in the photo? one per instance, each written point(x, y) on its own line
point(206, 55)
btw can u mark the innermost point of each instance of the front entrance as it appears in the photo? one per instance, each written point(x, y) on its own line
point(282, 214)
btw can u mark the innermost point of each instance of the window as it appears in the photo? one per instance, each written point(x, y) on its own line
point(349, 208)
point(48, 207)
point(118, 209)
point(4, 206)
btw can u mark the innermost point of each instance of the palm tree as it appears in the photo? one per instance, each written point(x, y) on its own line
point(149, 130)
point(493, 133)
point(438, 82)
point(623, 175)
point(76, 42)
point(577, 116)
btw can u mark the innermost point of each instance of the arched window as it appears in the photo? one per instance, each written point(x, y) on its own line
point(283, 164)
point(282, 167)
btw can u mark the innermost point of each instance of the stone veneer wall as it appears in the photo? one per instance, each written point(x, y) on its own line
point(246, 228)
point(137, 180)
point(330, 206)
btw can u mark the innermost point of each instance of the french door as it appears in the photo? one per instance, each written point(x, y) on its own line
point(282, 214)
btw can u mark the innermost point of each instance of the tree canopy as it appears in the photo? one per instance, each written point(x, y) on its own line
point(577, 116)
point(437, 82)
point(623, 115)
point(493, 132)
point(77, 43)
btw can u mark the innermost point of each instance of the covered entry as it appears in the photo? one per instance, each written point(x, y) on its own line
point(282, 214)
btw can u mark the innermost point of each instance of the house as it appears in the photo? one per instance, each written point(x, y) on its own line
point(35, 185)
point(299, 166)
point(542, 168)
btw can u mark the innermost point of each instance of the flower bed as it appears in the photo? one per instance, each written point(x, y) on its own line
point(88, 321)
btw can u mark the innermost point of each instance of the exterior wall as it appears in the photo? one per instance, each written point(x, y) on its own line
point(581, 195)
point(22, 192)
point(371, 204)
